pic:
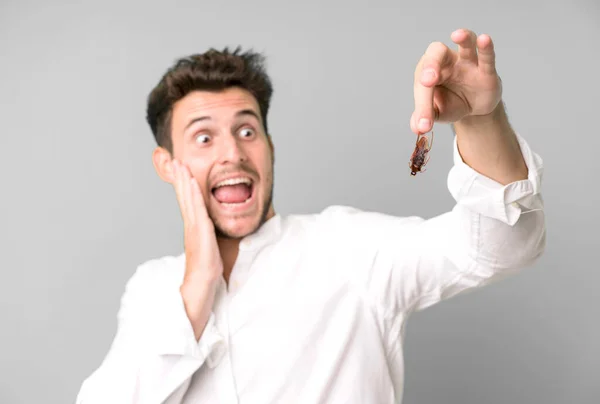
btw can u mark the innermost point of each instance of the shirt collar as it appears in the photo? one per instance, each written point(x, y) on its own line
point(266, 234)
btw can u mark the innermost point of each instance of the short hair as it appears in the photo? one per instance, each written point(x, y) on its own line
point(210, 71)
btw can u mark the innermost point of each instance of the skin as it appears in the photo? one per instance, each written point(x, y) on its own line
point(461, 87)
point(215, 134)
point(229, 141)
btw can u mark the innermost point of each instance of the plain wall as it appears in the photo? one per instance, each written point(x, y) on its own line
point(81, 205)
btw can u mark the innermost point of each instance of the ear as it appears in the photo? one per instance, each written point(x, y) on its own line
point(161, 158)
point(271, 146)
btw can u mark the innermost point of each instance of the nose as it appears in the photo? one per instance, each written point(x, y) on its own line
point(233, 151)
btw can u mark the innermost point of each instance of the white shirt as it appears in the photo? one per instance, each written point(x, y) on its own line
point(317, 304)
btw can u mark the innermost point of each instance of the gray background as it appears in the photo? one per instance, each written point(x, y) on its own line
point(81, 205)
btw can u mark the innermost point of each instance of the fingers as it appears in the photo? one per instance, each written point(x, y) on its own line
point(203, 260)
point(476, 49)
point(198, 200)
point(186, 184)
point(487, 54)
point(431, 70)
point(440, 66)
point(179, 186)
point(467, 44)
point(188, 194)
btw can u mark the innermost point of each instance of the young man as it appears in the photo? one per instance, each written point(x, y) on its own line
point(309, 308)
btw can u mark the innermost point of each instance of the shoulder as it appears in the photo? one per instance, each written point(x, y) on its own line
point(154, 283)
point(323, 223)
point(329, 216)
point(157, 274)
point(349, 233)
point(352, 223)
point(343, 214)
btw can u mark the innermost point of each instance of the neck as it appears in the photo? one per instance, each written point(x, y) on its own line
point(229, 249)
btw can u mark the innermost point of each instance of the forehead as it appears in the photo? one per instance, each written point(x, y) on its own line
point(222, 104)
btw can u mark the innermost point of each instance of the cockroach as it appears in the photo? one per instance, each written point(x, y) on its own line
point(420, 156)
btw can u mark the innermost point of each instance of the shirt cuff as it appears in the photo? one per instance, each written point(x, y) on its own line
point(176, 336)
point(492, 199)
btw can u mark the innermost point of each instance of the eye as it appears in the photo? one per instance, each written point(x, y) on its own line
point(202, 138)
point(246, 132)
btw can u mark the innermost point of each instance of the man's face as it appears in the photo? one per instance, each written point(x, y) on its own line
point(220, 136)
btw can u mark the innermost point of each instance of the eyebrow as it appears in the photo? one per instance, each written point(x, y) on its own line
point(244, 112)
point(248, 112)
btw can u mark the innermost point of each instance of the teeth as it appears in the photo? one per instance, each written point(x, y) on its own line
point(234, 181)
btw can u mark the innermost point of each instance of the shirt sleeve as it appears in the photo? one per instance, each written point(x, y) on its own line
point(491, 199)
point(409, 263)
point(154, 353)
point(493, 231)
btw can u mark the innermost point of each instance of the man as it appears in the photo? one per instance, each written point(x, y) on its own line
point(309, 308)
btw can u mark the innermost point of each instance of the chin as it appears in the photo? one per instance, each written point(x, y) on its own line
point(236, 227)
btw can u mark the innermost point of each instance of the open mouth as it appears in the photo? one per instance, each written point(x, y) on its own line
point(234, 192)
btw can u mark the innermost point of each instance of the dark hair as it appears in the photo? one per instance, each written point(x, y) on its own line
point(211, 71)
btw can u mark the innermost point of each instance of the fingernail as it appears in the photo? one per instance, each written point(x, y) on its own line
point(424, 124)
point(429, 74)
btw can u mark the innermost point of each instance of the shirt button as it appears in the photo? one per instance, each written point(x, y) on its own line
point(233, 286)
point(214, 357)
